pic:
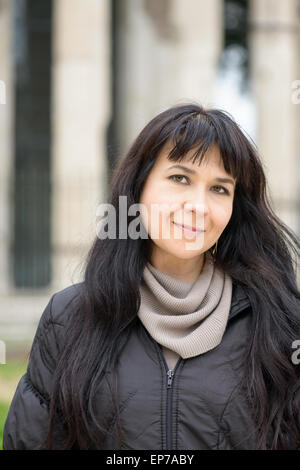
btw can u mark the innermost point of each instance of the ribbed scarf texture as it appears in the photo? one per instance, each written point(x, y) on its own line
point(185, 318)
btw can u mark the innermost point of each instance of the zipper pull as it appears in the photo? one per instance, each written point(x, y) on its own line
point(170, 374)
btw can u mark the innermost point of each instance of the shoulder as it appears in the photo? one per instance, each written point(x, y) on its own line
point(60, 307)
point(58, 312)
point(50, 336)
point(27, 421)
point(63, 303)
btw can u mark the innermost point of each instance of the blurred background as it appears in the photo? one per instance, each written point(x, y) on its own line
point(79, 79)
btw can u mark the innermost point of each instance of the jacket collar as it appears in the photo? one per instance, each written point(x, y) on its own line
point(240, 301)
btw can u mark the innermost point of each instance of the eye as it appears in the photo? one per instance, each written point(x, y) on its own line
point(176, 176)
point(175, 179)
point(225, 191)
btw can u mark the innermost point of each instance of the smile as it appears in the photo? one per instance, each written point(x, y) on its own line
point(188, 228)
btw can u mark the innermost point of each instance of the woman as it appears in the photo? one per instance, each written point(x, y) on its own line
point(182, 339)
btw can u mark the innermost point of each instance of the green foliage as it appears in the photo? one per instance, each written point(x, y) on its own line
point(4, 407)
point(12, 370)
point(10, 375)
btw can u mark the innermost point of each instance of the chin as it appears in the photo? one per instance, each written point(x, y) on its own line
point(185, 254)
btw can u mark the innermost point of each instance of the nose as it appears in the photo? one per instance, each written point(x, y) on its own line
point(196, 208)
point(196, 201)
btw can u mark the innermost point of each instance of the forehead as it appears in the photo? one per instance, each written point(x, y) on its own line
point(212, 157)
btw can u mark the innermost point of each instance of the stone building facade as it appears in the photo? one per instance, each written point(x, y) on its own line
point(113, 64)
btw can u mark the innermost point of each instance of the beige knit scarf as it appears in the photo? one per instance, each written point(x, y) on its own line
point(186, 318)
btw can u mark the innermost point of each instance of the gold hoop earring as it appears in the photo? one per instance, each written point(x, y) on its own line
point(214, 251)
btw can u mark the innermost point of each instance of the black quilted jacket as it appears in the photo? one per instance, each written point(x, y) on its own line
point(200, 405)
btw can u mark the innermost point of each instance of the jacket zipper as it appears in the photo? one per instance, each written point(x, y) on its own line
point(170, 374)
point(170, 379)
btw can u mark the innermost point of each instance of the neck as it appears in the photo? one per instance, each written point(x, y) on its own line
point(180, 270)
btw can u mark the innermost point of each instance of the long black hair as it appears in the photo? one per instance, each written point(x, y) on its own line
point(256, 249)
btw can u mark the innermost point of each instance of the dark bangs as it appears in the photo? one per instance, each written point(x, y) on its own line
point(201, 129)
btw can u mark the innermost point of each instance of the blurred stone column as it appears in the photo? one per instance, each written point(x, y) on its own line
point(274, 59)
point(167, 53)
point(80, 113)
point(6, 143)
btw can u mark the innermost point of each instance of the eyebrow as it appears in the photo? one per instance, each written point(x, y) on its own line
point(193, 172)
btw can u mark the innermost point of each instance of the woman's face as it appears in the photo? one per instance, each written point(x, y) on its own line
point(194, 197)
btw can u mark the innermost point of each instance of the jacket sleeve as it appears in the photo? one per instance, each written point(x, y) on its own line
point(26, 426)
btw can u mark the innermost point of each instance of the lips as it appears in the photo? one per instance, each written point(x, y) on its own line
point(188, 227)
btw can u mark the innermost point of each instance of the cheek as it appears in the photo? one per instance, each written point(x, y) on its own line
point(157, 215)
point(154, 207)
point(221, 215)
point(157, 219)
